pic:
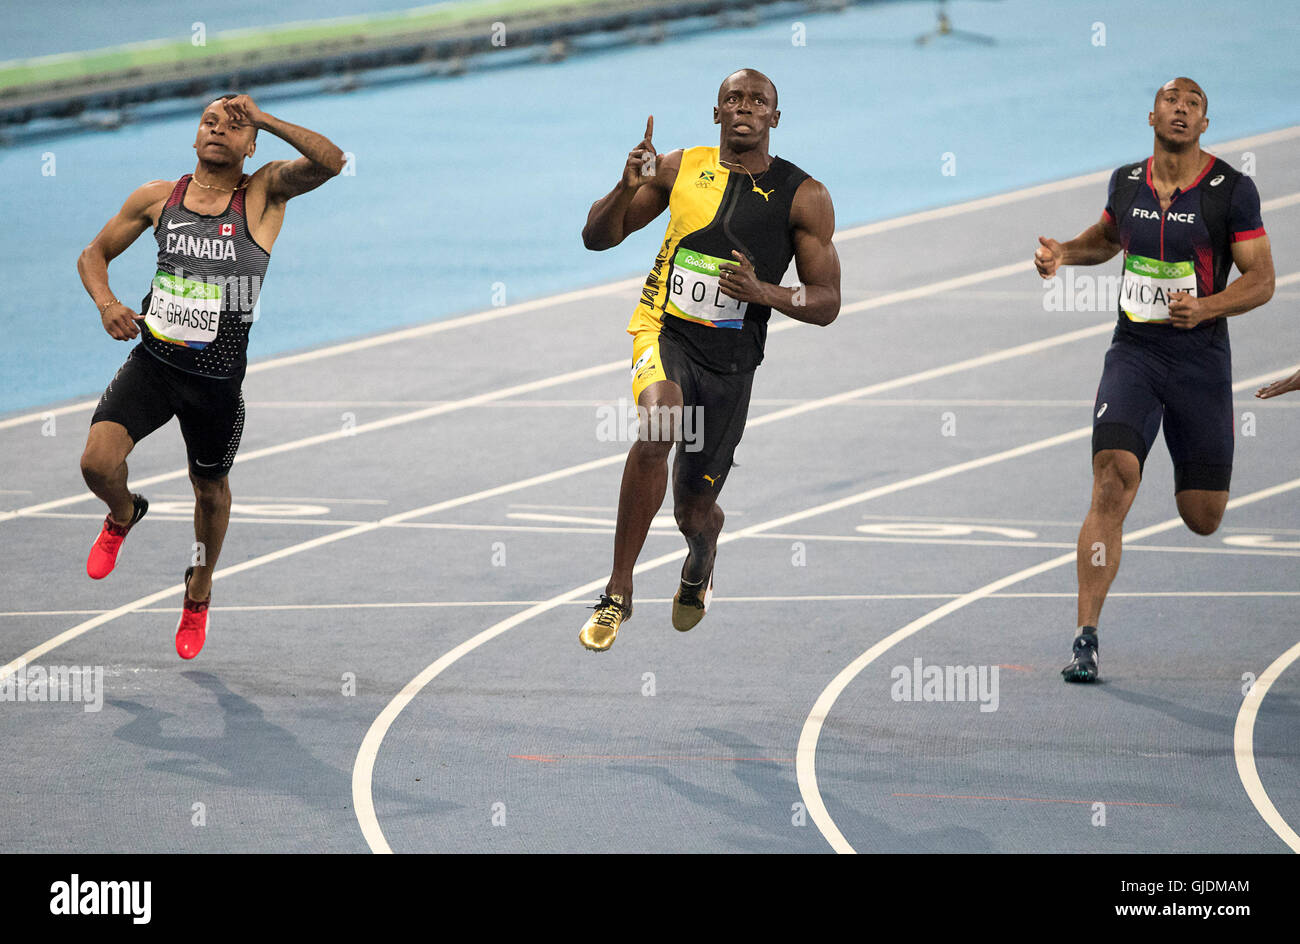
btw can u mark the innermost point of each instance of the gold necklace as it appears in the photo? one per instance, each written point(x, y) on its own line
point(209, 186)
point(752, 180)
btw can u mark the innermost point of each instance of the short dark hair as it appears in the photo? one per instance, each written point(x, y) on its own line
point(1205, 99)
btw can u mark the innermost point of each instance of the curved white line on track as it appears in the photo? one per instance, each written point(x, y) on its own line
point(363, 768)
point(930, 374)
point(1243, 738)
point(806, 754)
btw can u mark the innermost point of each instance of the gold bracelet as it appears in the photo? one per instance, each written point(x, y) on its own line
point(106, 304)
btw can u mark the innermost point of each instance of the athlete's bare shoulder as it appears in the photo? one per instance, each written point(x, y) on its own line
point(261, 173)
point(147, 200)
point(666, 172)
point(811, 208)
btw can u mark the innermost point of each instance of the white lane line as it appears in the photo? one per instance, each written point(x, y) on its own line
point(980, 542)
point(968, 364)
point(992, 521)
point(932, 288)
point(1277, 203)
point(1243, 742)
point(182, 496)
point(589, 403)
point(795, 598)
point(50, 612)
point(566, 298)
point(81, 628)
point(659, 521)
point(806, 753)
point(664, 525)
point(1074, 594)
point(583, 374)
point(1243, 747)
point(340, 434)
point(389, 337)
point(606, 509)
point(363, 766)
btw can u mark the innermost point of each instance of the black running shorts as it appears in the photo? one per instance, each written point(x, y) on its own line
point(146, 393)
point(714, 409)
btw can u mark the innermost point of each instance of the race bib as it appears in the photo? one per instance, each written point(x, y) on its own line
point(1148, 283)
point(694, 292)
point(184, 311)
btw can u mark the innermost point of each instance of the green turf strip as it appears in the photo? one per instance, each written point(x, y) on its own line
point(162, 53)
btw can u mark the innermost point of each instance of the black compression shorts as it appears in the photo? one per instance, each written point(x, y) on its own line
point(146, 393)
point(714, 409)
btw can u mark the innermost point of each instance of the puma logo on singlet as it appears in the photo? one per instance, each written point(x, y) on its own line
point(763, 194)
point(711, 479)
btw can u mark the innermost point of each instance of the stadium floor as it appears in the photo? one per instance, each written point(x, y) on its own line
point(426, 520)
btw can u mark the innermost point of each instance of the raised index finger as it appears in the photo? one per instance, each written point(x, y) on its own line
point(649, 127)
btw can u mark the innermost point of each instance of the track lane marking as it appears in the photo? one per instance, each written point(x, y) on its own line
point(1243, 744)
point(932, 288)
point(363, 766)
point(806, 752)
point(993, 357)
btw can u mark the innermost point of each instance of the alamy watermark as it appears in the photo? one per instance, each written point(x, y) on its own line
point(36, 683)
point(1084, 292)
point(919, 682)
point(625, 422)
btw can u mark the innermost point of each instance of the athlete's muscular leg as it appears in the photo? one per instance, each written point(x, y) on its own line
point(1116, 474)
point(103, 466)
point(1201, 509)
point(211, 516)
point(700, 519)
point(645, 479)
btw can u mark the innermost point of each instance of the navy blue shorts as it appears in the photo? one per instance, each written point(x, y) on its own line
point(1183, 378)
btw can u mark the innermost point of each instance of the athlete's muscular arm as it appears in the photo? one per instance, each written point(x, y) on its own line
point(275, 183)
point(1097, 244)
point(817, 299)
point(321, 158)
point(1254, 259)
point(636, 199)
point(140, 212)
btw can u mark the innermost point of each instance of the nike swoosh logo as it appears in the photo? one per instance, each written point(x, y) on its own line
point(207, 465)
point(171, 225)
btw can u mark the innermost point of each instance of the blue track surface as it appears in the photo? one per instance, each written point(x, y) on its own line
point(464, 183)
